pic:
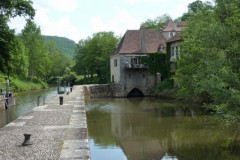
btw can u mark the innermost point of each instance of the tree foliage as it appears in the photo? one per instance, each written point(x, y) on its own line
point(156, 23)
point(11, 9)
point(193, 8)
point(36, 49)
point(210, 57)
point(92, 56)
point(63, 44)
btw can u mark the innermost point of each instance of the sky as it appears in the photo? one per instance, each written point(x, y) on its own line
point(79, 19)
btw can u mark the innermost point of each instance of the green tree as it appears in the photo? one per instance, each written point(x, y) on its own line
point(156, 23)
point(37, 51)
point(10, 9)
point(58, 60)
point(195, 6)
point(14, 8)
point(7, 38)
point(209, 66)
point(92, 56)
point(19, 59)
point(81, 66)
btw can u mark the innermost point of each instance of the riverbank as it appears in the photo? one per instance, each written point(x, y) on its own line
point(18, 85)
point(58, 131)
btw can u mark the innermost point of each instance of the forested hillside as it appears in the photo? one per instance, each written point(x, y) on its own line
point(63, 44)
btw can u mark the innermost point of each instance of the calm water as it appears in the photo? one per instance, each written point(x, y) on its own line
point(25, 101)
point(149, 129)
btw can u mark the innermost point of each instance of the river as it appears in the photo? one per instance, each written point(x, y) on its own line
point(151, 129)
point(145, 129)
point(25, 102)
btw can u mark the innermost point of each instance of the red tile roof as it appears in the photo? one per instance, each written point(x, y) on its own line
point(175, 38)
point(147, 40)
point(171, 26)
point(131, 42)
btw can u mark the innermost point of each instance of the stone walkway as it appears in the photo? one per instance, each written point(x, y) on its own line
point(58, 131)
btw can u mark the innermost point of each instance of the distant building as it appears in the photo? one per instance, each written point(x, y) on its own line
point(128, 75)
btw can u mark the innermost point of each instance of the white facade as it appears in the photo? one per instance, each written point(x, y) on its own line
point(115, 68)
point(175, 51)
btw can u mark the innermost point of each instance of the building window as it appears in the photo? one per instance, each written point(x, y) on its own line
point(171, 34)
point(161, 48)
point(135, 61)
point(172, 51)
point(176, 51)
point(115, 62)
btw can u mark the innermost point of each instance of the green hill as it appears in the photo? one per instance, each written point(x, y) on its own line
point(66, 45)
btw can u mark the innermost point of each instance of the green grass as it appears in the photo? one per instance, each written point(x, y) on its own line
point(17, 84)
point(23, 85)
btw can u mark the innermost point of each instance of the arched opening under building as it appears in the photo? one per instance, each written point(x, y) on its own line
point(135, 93)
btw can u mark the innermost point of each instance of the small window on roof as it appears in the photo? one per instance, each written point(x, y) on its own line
point(171, 34)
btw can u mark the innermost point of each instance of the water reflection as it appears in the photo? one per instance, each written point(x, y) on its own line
point(142, 129)
point(25, 101)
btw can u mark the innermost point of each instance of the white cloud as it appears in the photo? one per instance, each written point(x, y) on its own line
point(17, 23)
point(148, 1)
point(63, 27)
point(182, 8)
point(61, 5)
point(119, 24)
point(178, 11)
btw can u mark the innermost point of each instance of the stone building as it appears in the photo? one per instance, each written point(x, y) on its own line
point(129, 76)
point(174, 50)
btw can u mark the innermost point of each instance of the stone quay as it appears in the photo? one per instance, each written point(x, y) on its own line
point(57, 131)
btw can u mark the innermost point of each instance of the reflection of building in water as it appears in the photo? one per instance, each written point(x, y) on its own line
point(137, 133)
point(128, 135)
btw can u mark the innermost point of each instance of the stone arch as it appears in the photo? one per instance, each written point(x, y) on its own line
point(135, 92)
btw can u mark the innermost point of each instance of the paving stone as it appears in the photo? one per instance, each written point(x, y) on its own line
point(79, 154)
point(76, 144)
point(62, 127)
point(76, 133)
point(18, 124)
point(79, 111)
point(25, 117)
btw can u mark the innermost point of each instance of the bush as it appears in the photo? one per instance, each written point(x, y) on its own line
point(165, 89)
point(165, 84)
point(70, 77)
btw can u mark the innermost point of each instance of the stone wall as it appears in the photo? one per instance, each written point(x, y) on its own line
point(118, 89)
point(98, 91)
point(2, 102)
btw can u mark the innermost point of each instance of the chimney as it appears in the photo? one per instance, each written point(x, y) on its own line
point(142, 39)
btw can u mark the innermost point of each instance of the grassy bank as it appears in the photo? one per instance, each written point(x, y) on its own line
point(17, 84)
point(23, 85)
